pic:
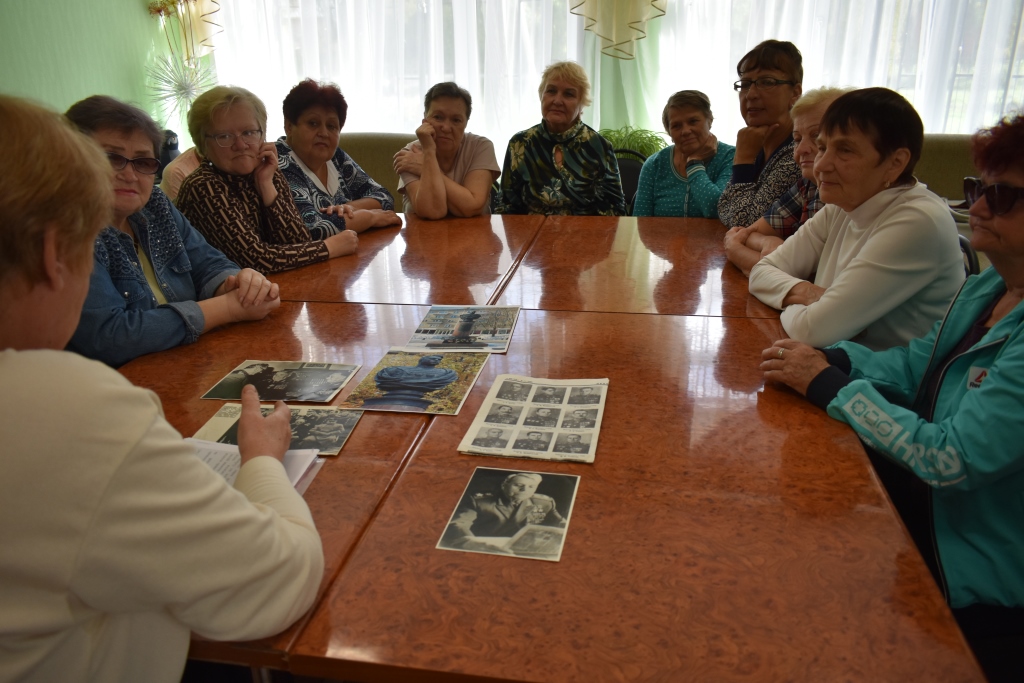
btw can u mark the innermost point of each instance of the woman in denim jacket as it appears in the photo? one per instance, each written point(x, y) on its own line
point(155, 283)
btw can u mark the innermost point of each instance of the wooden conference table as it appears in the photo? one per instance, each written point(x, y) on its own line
point(726, 530)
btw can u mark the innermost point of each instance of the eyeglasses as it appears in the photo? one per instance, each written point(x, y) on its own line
point(1000, 198)
point(249, 137)
point(745, 84)
point(144, 165)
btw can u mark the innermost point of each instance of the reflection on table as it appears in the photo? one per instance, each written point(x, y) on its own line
point(726, 531)
point(452, 261)
point(673, 266)
point(349, 487)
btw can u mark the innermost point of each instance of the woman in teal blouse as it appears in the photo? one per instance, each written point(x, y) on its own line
point(687, 177)
point(561, 166)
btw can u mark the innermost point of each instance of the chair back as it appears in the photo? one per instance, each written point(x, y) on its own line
point(630, 163)
point(971, 265)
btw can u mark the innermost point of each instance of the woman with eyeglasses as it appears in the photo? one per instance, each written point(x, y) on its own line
point(880, 262)
point(238, 198)
point(155, 282)
point(331, 191)
point(763, 168)
point(944, 415)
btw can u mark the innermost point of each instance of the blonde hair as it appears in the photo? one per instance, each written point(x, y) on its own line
point(217, 99)
point(56, 179)
point(812, 98)
point(570, 72)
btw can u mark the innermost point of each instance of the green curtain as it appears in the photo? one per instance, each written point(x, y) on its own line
point(623, 89)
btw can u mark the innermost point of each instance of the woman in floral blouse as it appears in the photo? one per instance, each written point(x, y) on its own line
point(561, 165)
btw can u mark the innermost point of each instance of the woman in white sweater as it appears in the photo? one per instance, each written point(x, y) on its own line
point(883, 252)
point(117, 541)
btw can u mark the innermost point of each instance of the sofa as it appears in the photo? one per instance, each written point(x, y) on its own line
point(374, 152)
point(945, 162)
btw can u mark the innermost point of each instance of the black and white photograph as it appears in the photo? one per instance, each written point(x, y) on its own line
point(323, 428)
point(580, 418)
point(503, 415)
point(542, 417)
point(585, 396)
point(513, 391)
point(549, 394)
point(491, 437)
point(544, 425)
point(576, 444)
point(532, 440)
point(285, 381)
point(512, 512)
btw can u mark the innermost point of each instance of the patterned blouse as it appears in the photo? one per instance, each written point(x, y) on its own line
point(755, 187)
point(571, 173)
point(354, 183)
point(228, 210)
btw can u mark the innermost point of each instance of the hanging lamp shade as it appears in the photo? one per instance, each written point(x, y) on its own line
point(618, 23)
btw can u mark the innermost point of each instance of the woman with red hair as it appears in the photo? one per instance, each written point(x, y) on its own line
point(331, 191)
point(943, 416)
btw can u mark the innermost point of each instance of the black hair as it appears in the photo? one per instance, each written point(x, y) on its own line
point(883, 115)
point(774, 54)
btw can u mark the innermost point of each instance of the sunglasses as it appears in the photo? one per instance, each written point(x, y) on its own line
point(144, 165)
point(1000, 198)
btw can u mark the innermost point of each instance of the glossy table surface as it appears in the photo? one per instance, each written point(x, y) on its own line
point(460, 261)
point(349, 487)
point(673, 266)
point(726, 531)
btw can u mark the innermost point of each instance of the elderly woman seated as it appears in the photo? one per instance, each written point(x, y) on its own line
point(117, 540)
point(238, 198)
point(687, 177)
point(561, 165)
point(330, 191)
point(155, 281)
point(883, 252)
point(446, 170)
point(746, 246)
point(943, 415)
point(771, 77)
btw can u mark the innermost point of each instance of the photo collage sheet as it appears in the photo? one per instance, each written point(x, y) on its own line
point(547, 419)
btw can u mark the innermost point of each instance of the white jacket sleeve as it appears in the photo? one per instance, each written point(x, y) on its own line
point(898, 260)
point(170, 534)
point(795, 261)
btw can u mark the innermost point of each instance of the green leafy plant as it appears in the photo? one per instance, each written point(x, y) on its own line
point(647, 142)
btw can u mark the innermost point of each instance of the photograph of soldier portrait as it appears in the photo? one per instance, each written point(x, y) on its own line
point(502, 511)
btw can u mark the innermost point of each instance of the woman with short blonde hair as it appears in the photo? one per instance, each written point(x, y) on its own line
point(561, 165)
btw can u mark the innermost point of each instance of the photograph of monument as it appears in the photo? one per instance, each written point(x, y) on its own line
point(418, 382)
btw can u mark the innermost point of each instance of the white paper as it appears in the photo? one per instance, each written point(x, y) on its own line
point(225, 460)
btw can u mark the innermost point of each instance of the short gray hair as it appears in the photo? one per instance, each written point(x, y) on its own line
point(687, 98)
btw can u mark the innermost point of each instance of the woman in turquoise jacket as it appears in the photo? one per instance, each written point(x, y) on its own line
point(948, 410)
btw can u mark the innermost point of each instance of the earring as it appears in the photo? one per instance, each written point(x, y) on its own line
point(887, 184)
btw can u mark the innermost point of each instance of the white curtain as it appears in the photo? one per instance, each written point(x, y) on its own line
point(960, 62)
point(385, 54)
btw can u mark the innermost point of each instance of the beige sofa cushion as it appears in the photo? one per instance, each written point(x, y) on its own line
point(374, 152)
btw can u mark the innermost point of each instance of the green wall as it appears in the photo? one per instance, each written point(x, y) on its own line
point(59, 51)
